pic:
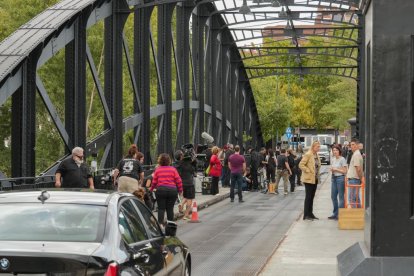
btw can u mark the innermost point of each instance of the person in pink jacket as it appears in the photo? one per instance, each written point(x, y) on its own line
point(215, 170)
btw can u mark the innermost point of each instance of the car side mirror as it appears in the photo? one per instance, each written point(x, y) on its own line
point(171, 229)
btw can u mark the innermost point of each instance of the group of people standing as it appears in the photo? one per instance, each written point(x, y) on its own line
point(172, 181)
point(347, 164)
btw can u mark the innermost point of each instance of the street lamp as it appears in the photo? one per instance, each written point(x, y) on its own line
point(244, 9)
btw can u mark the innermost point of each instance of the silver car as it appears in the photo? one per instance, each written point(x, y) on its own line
point(325, 155)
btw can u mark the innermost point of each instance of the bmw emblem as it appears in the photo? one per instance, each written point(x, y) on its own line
point(4, 264)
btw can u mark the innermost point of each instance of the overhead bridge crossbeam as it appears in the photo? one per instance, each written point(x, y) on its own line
point(342, 71)
point(350, 52)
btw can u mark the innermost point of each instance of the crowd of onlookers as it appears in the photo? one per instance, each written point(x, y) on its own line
point(252, 171)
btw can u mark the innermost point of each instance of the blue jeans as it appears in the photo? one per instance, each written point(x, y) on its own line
point(353, 193)
point(236, 179)
point(337, 190)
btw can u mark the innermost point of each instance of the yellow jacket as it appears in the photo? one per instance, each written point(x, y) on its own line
point(307, 165)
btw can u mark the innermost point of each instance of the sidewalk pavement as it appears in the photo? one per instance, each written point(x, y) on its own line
point(311, 247)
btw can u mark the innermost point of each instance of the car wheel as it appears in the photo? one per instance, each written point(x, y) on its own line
point(187, 271)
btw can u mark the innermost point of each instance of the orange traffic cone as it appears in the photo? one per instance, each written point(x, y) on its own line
point(194, 213)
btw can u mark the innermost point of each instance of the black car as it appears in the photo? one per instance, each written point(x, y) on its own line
point(60, 232)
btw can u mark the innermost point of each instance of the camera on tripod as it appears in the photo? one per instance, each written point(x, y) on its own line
point(188, 151)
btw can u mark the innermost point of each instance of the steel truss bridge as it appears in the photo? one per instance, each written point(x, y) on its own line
point(207, 50)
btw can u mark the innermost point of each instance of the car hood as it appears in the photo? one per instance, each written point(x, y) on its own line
point(39, 247)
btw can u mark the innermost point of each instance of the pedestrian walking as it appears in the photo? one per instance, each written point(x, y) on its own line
point(255, 165)
point(129, 172)
point(271, 163)
point(283, 171)
point(215, 170)
point(355, 174)
point(167, 185)
point(338, 169)
point(237, 165)
point(291, 161)
point(296, 170)
point(227, 173)
point(310, 166)
point(73, 172)
point(186, 168)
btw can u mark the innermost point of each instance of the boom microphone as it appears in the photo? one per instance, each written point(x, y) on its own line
point(209, 139)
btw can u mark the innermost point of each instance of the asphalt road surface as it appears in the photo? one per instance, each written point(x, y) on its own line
point(238, 238)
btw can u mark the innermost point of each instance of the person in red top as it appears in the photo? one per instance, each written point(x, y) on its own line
point(215, 170)
point(168, 185)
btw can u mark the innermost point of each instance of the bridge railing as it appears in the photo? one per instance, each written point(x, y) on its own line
point(102, 180)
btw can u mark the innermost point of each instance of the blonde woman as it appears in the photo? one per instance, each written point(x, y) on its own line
point(215, 170)
point(310, 166)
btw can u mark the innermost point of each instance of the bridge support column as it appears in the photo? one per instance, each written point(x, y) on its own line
point(211, 76)
point(23, 139)
point(234, 89)
point(198, 24)
point(226, 91)
point(75, 86)
point(183, 63)
point(389, 72)
point(164, 89)
point(113, 77)
point(142, 18)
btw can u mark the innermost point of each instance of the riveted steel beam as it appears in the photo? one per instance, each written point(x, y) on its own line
point(165, 91)
point(198, 22)
point(142, 18)
point(23, 138)
point(75, 85)
point(113, 40)
point(183, 71)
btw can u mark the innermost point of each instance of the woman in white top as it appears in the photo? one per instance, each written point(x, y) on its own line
point(338, 169)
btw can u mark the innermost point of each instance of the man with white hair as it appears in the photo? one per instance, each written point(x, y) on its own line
point(74, 171)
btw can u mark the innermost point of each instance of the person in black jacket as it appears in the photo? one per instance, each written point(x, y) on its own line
point(186, 168)
point(291, 161)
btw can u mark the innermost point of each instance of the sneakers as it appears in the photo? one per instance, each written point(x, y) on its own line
point(285, 193)
point(231, 200)
point(333, 217)
point(186, 218)
point(241, 201)
point(276, 193)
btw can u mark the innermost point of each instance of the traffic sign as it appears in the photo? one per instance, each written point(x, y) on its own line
point(288, 135)
point(288, 130)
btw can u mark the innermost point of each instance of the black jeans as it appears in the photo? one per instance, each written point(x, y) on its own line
point(214, 185)
point(226, 177)
point(236, 179)
point(253, 172)
point(292, 181)
point(298, 173)
point(165, 201)
point(310, 195)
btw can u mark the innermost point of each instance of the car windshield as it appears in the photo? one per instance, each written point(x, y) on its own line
point(52, 222)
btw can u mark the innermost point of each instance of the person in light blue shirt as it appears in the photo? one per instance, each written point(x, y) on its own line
point(338, 169)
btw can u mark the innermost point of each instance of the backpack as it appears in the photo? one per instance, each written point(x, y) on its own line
point(271, 164)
